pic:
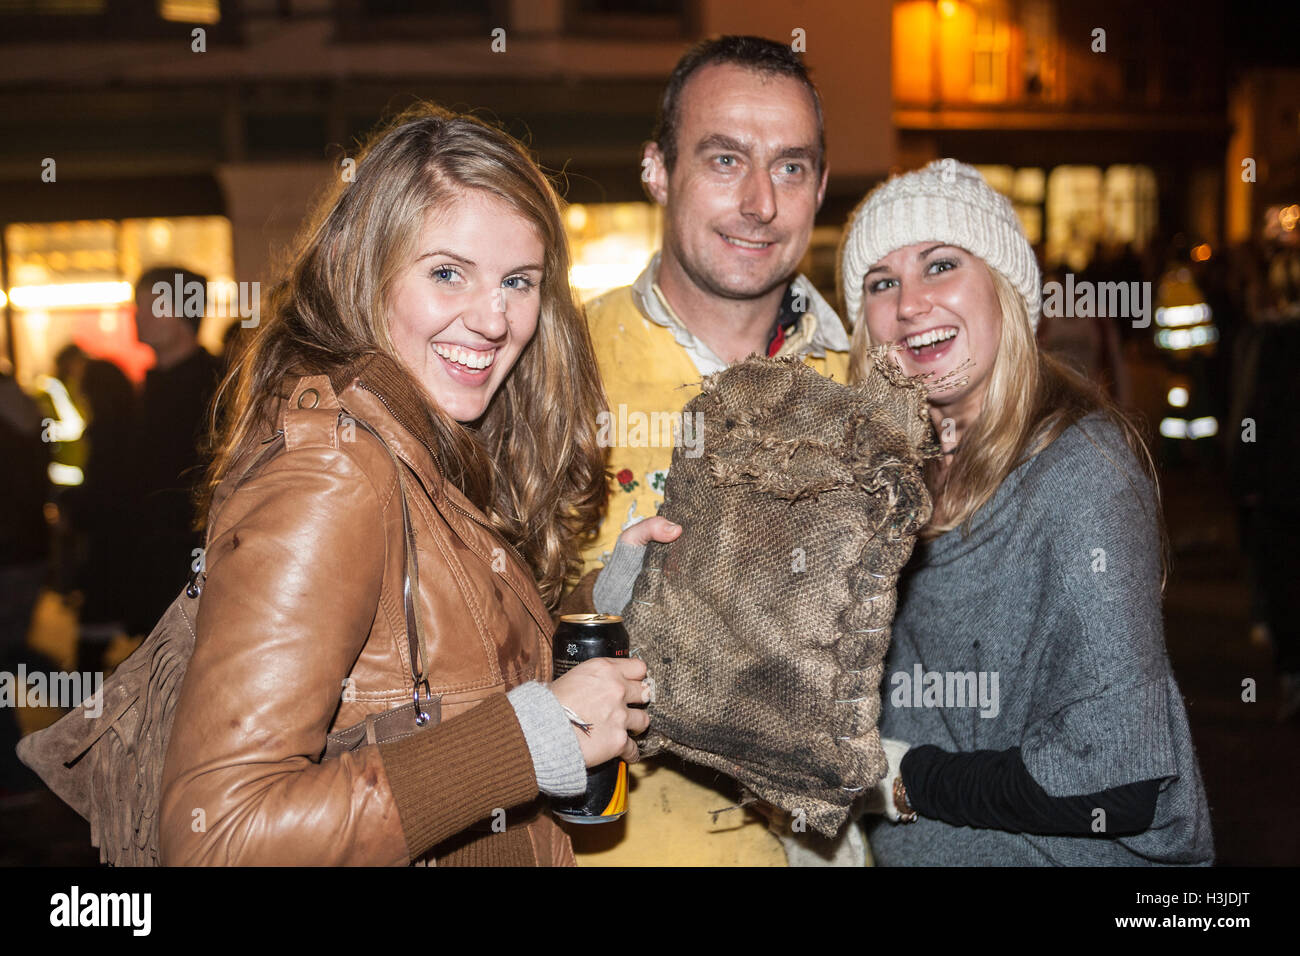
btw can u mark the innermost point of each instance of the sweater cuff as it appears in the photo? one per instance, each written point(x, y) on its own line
point(448, 777)
point(614, 586)
point(557, 758)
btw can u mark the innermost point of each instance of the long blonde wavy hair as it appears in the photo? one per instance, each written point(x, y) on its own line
point(1032, 398)
point(532, 463)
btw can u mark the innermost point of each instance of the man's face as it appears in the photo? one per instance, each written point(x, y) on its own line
point(740, 201)
point(150, 328)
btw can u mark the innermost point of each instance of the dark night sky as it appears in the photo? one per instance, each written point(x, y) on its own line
point(1262, 34)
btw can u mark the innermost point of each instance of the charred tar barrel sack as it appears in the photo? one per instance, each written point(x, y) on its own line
point(764, 626)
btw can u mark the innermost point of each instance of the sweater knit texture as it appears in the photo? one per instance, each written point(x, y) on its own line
point(1042, 629)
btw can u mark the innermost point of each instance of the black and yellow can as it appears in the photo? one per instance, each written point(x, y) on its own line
point(580, 637)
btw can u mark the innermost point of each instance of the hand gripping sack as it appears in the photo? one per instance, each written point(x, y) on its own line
point(765, 624)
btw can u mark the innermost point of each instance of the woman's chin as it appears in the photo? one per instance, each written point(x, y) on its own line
point(930, 370)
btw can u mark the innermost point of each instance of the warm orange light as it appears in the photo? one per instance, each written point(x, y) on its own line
point(1202, 252)
point(913, 42)
point(947, 9)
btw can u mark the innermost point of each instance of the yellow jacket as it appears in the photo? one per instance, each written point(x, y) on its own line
point(645, 357)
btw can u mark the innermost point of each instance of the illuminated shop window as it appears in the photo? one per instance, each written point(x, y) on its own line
point(1087, 207)
point(190, 11)
point(1074, 214)
point(1130, 210)
point(1026, 189)
point(610, 243)
point(71, 283)
point(1038, 64)
point(999, 177)
point(990, 42)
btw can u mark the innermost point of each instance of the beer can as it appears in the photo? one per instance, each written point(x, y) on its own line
point(580, 637)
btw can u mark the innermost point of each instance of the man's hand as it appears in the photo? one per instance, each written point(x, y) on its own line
point(651, 529)
point(613, 588)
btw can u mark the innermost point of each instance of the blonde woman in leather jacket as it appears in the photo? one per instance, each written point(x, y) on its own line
point(427, 309)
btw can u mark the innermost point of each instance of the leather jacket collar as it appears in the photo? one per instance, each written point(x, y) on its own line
point(382, 393)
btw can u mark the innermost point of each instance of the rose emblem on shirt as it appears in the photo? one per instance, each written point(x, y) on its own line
point(626, 479)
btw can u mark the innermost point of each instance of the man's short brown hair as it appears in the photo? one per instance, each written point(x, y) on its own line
point(753, 53)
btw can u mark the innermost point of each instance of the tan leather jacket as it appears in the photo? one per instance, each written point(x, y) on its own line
point(301, 632)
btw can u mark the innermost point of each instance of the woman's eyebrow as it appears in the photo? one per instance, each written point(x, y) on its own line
point(925, 252)
point(449, 254)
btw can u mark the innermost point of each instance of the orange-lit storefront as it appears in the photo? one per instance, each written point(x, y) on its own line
point(1085, 129)
point(71, 283)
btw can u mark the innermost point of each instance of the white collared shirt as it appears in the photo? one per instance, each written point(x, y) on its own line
point(819, 330)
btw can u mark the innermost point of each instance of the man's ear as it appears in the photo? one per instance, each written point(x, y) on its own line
point(821, 189)
point(654, 174)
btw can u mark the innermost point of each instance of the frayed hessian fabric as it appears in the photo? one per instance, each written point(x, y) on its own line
point(765, 624)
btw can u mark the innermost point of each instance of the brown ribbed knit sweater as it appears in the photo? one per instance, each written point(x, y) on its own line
point(452, 776)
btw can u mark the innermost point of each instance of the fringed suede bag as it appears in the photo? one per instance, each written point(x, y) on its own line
point(109, 768)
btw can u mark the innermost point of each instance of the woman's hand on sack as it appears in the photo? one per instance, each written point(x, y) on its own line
point(599, 692)
point(880, 799)
point(651, 529)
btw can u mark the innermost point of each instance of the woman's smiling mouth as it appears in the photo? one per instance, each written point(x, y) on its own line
point(463, 355)
point(931, 343)
point(464, 364)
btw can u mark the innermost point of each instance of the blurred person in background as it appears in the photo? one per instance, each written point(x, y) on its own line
point(24, 547)
point(97, 510)
point(1090, 344)
point(166, 456)
point(234, 343)
point(1265, 462)
point(24, 537)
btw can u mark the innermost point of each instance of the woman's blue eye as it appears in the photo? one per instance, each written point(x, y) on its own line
point(943, 265)
point(879, 285)
point(443, 273)
point(525, 283)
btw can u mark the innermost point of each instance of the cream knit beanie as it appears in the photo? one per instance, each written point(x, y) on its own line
point(947, 202)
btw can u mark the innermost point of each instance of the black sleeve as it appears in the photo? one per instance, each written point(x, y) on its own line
point(992, 789)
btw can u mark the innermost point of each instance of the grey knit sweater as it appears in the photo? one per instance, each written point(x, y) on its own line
point(1042, 629)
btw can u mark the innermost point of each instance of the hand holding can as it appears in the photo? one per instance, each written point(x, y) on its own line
point(601, 686)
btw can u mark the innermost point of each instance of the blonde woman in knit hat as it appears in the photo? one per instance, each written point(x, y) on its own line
point(1030, 713)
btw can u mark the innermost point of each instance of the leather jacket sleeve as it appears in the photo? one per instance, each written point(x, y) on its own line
point(295, 566)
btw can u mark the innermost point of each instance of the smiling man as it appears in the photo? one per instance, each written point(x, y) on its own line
point(738, 163)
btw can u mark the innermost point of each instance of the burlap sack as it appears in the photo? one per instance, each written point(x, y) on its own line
point(765, 624)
